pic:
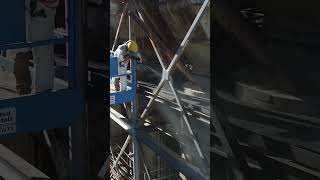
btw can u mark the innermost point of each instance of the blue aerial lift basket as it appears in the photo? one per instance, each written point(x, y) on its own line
point(12, 22)
point(47, 110)
point(123, 96)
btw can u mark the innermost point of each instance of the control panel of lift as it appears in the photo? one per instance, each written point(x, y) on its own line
point(128, 95)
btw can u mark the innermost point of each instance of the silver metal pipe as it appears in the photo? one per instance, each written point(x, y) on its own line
point(186, 39)
point(125, 145)
point(124, 12)
point(119, 119)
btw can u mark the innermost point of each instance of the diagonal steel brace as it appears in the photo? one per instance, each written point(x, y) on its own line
point(166, 75)
point(167, 72)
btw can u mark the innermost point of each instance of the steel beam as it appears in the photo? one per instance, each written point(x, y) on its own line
point(79, 164)
point(186, 121)
point(134, 109)
point(14, 167)
point(157, 41)
point(124, 147)
point(124, 12)
point(143, 161)
point(35, 44)
point(120, 120)
point(186, 39)
point(167, 72)
point(137, 135)
point(175, 161)
point(155, 94)
point(8, 65)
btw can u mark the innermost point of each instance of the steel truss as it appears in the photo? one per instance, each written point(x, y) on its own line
point(134, 125)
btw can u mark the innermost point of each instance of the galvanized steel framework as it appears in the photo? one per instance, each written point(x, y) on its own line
point(134, 127)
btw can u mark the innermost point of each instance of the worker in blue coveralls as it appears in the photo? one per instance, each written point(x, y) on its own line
point(125, 52)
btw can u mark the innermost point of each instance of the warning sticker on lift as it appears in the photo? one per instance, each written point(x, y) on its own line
point(112, 99)
point(7, 120)
point(8, 128)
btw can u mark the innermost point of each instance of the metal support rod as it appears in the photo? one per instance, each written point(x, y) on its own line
point(143, 161)
point(70, 142)
point(120, 120)
point(162, 45)
point(14, 167)
point(124, 147)
point(67, 27)
point(174, 160)
point(155, 94)
point(187, 37)
point(147, 20)
point(129, 27)
point(113, 158)
point(134, 110)
point(154, 46)
point(80, 169)
point(46, 136)
point(134, 115)
point(158, 54)
point(177, 55)
point(127, 109)
point(186, 121)
point(136, 159)
point(51, 150)
point(54, 40)
point(124, 12)
point(79, 153)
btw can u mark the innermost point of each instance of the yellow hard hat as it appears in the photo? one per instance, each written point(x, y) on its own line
point(132, 46)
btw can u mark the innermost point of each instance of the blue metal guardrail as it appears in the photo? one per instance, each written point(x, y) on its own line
point(123, 96)
point(48, 110)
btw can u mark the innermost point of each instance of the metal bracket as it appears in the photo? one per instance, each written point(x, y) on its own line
point(165, 75)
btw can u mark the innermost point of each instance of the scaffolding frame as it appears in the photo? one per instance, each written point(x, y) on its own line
point(72, 112)
point(23, 107)
point(135, 126)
